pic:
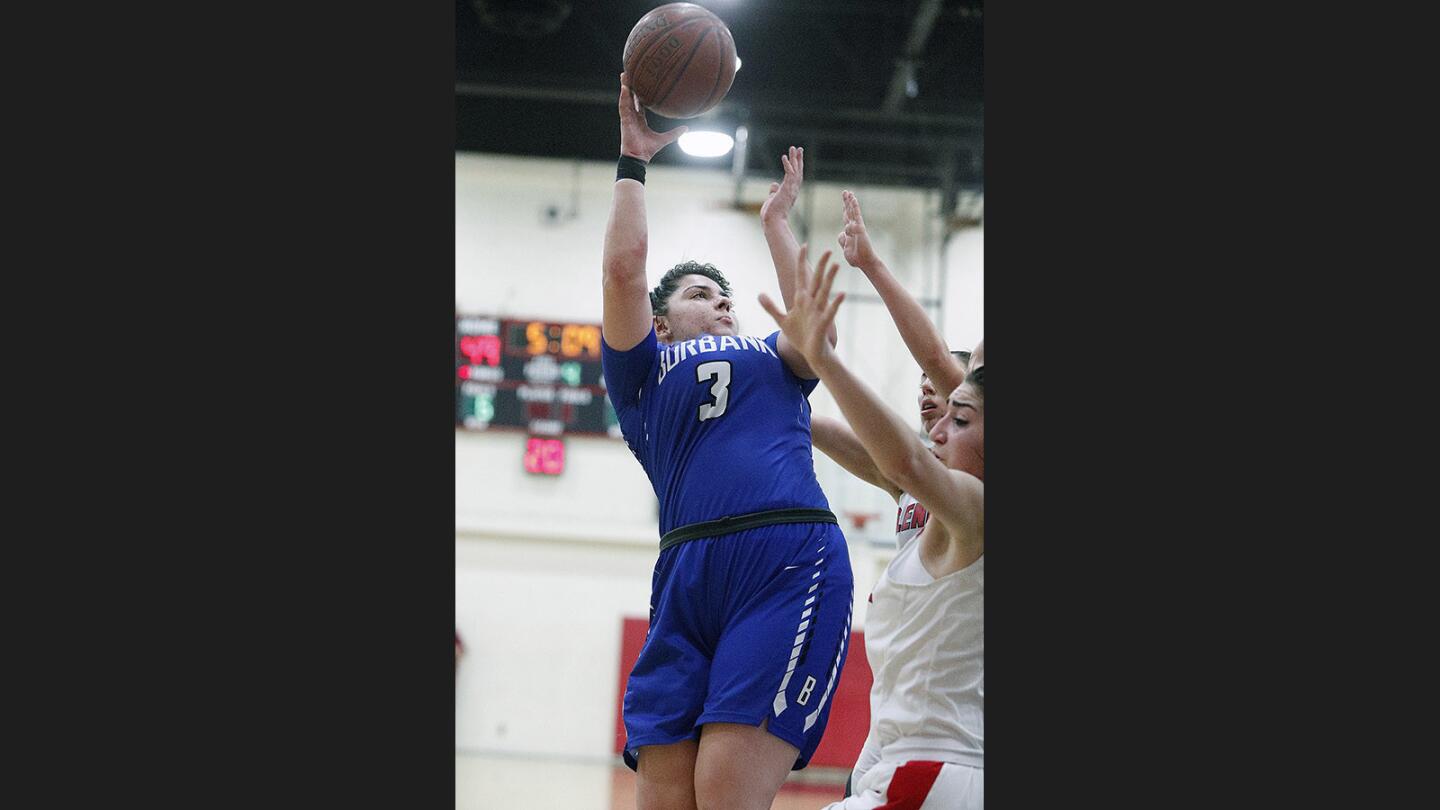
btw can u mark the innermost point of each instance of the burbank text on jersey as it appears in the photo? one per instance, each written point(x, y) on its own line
point(672, 355)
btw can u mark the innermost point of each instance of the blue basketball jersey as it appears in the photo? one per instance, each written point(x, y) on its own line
point(720, 424)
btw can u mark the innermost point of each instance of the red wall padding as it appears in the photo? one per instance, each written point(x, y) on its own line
point(849, 711)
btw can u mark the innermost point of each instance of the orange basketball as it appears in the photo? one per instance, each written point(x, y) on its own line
point(679, 60)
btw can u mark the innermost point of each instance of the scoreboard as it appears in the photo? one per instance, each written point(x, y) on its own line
point(542, 377)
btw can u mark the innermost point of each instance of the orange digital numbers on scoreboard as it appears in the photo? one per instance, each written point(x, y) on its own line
point(580, 339)
point(537, 339)
point(570, 340)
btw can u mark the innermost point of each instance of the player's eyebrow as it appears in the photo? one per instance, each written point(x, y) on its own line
point(703, 287)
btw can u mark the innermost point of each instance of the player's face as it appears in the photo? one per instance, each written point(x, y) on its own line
point(959, 436)
point(697, 308)
point(932, 404)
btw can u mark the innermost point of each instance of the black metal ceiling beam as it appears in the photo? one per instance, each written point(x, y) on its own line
point(793, 130)
point(975, 121)
point(876, 8)
point(920, 29)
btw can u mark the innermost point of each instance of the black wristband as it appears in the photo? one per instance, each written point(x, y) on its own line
point(631, 167)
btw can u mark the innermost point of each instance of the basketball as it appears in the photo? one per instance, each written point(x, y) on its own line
point(679, 60)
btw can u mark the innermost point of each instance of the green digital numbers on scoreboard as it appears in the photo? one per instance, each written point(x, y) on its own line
point(570, 373)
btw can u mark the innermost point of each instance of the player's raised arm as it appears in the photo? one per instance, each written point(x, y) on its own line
point(784, 249)
point(627, 315)
point(921, 337)
point(955, 498)
point(835, 439)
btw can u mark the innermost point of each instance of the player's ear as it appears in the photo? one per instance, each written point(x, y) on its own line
point(662, 327)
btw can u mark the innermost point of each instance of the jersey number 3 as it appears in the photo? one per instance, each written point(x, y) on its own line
point(719, 371)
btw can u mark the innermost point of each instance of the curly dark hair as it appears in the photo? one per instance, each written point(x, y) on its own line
point(670, 282)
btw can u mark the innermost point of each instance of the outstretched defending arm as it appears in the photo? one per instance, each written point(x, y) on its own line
point(775, 221)
point(835, 439)
point(924, 341)
point(627, 314)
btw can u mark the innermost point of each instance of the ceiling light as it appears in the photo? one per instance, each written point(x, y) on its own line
point(706, 144)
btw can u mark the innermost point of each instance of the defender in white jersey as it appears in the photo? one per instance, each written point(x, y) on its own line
point(925, 632)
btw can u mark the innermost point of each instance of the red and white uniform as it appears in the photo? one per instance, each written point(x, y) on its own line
point(925, 640)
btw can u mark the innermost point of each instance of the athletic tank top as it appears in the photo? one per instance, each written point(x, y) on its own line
point(720, 424)
point(926, 647)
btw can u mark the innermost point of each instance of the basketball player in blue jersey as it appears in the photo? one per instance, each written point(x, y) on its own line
point(751, 594)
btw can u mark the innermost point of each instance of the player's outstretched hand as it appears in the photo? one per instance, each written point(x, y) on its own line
point(637, 139)
point(783, 195)
point(808, 321)
point(854, 241)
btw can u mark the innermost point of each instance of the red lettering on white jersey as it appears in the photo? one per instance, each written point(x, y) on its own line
point(913, 516)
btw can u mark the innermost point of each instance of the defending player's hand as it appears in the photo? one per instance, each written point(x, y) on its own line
point(854, 241)
point(637, 139)
point(783, 195)
point(810, 317)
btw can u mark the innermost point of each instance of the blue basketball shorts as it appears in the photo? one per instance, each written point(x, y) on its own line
point(744, 627)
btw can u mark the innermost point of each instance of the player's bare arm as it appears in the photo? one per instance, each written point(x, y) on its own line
point(835, 439)
point(775, 221)
point(627, 315)
point(921, 337)
point(784, 249)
